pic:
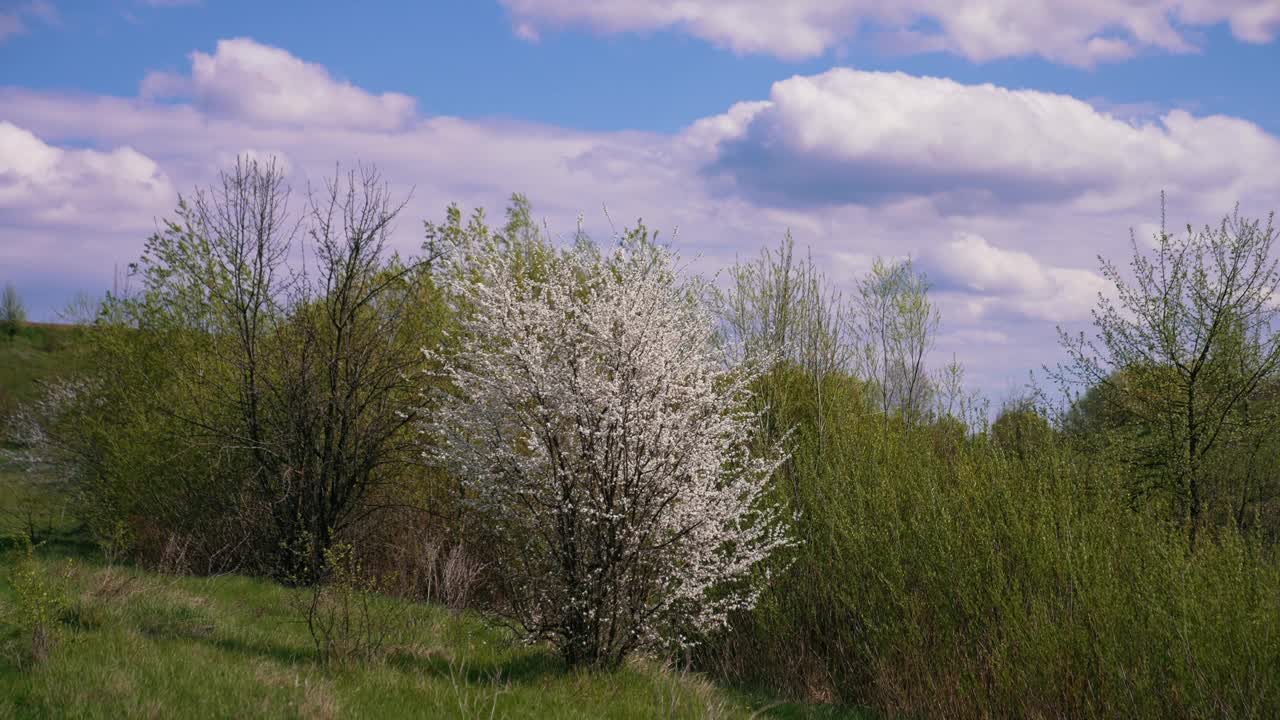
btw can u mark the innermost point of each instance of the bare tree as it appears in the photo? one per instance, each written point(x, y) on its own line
point(344, 389)
point(952, 399)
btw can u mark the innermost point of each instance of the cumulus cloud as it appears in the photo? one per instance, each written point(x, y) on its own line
point(246, 80)
point(42, 184)
point(846, 136)
point(66, 214)
point(1003, 266)
point(440, 159)
point(970, 262)
point(1010, 282)
point(1082, 32)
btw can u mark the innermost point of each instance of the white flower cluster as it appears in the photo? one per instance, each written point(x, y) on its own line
point(30, 429)
point(592, 425)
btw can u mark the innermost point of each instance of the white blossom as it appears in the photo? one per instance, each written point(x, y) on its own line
point(593, 428)
point(29, 429)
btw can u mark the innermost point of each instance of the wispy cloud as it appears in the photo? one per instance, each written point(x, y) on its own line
point(1081, 32)
point(14, 21)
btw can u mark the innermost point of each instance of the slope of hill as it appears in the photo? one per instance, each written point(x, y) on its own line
point(136, 644)
point(129, 643)
point(37, 352)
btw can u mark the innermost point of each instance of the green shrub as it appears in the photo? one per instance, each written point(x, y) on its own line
point(13, 313)
point(39, 600)
point(969, 581)
point(344, 612)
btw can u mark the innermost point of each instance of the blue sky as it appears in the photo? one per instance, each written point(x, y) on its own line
point(1001, 144)
point(460, 57)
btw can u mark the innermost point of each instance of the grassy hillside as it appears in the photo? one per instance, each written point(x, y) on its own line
point(134, 644)
point(137, 644)
point(38, 352)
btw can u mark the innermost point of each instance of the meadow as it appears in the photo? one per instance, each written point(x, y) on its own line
point(517, 477)
point(134, 643)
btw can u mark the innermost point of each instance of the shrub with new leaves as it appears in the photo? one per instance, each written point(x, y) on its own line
point(604, 445)
point(39, 598)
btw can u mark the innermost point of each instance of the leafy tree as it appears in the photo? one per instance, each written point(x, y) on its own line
point(605, 445)
point(1182, 349)
point(1020, 429)
point(895, 322)
point(780, 311)
point(12, 312)
point(261, 388)
point(781, 307)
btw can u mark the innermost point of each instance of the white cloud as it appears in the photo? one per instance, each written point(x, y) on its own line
point(45, 185)
point(847, 136)
point(246, 80)
point(1081, 32)
point(1011, 282)
point(82, 176)
point(973, 262)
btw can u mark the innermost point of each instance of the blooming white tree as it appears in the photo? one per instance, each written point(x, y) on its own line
point(607, 448)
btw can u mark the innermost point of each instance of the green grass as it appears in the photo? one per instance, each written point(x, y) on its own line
point(135, 644)
point(35, 354)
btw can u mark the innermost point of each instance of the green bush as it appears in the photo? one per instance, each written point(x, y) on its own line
point(13, 313)
point(343, 610)
point(964, 580)
point(39, 600)
point(229, 411)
